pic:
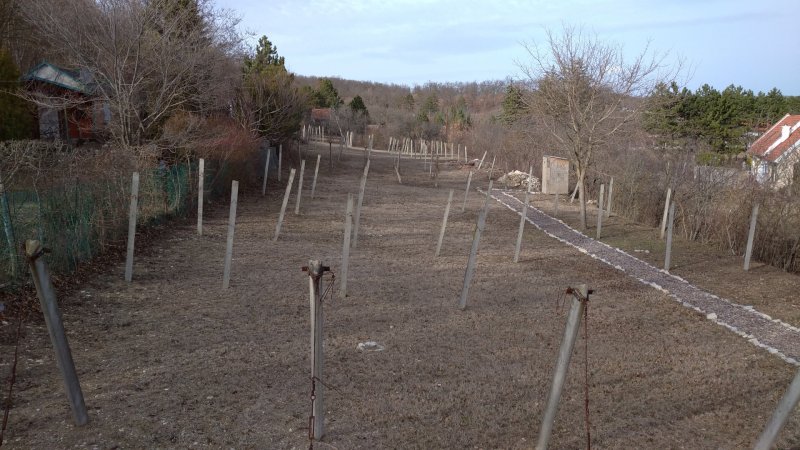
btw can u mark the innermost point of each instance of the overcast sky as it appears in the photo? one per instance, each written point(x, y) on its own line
point(755, 44)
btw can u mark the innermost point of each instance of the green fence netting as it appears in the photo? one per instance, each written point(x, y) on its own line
point(79, 220)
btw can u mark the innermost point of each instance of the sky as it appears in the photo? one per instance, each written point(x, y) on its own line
point(754, 44)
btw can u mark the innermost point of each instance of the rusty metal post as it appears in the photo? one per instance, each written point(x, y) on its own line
point(315, 271)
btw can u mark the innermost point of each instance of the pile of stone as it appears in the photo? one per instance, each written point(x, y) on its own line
point(516, 178)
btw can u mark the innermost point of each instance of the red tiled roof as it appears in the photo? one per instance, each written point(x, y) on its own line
point(761, 147)
point(321, 114)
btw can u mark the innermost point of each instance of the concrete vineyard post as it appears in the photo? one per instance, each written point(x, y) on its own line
point(750, 237)
point(314, 183)
point(8, 231)
point(201, 178)
point(781, 415)
point(226, 275)
point(280, 161)
point(666, 211)
point(299, 187)
point(466, 191)
point(283, 206)
point(348, 225)
point(562, 366)
point(357, 219)
point(473, 253)
point(134, 207)
point(55, 328)
point(444, 223)
point(670, 227)
point(600, 211)
point(266, 173)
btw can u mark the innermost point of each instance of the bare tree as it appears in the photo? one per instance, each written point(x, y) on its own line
point(584, 92)
point(147, 59)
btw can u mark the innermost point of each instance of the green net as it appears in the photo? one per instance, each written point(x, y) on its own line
point(79, 220)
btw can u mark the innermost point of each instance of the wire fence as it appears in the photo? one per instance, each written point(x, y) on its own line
point(81, 219)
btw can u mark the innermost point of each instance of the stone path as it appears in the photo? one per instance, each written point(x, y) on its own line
point(777, 337)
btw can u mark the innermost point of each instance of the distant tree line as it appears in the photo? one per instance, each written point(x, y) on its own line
point(724, 121)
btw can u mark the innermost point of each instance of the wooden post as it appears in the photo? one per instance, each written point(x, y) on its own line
point(314, 183)
point(491, 171)
point(201, 178)
point(330, 161)
point(781, 415)
point(283, 206)
point(580, 297)
point(280, 160)
point(315, 271)
point(610, 192)
point(226, 275)
point(348, 225)
point(55, 327)
point(360, 203)
point(134, 208)
point(8, 230)
point(666, 210)
point(465, 155)
point(266, 173)
point(299, 187)
point(523, 216)
point(473, 253)
point(466, 191)
point(750, 236)
point(444, 223)
point(600, 211)
point(668, 256)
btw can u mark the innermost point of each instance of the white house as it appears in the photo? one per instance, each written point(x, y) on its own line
point(776, 154)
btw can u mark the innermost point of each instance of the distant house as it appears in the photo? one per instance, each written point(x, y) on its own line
point(68, 108)
point(321, 116)
point(776, 154)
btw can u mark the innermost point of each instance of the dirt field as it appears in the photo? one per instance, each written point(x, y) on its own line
point(173, 361)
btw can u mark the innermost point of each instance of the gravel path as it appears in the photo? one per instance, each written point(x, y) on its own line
point(777, 337)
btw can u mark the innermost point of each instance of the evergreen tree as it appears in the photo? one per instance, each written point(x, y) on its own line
point(357, 106)
point(266, 59)
point(513, 105)
point(329, 94)
point(16, 115)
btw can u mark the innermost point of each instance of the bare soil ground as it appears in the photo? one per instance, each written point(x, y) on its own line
point(173, 361)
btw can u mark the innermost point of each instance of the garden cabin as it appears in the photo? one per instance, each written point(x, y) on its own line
point(67, 109)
